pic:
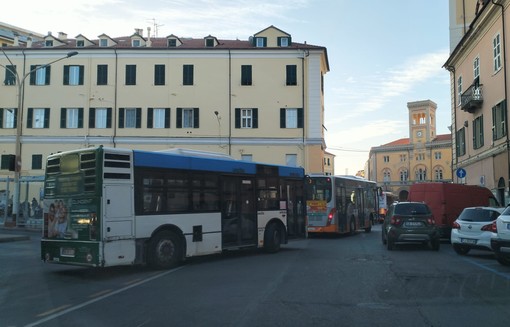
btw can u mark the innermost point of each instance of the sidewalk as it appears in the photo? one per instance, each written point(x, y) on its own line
point(13, 234)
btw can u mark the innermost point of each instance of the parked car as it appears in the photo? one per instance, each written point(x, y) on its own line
point(474, 229)
point(500, 242)
point(410, 222)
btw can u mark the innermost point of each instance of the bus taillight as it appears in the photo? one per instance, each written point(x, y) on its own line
point(331, 215)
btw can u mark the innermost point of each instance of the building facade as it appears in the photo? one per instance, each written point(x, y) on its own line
point(479, 89)
point(260, 99)
point(422, 157)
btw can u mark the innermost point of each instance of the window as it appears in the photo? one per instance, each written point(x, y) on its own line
point(386, 158)
point(437, 155)
point(130, 74)
point(187, 74)
point(38, 118)
point(130, 117)
point(283, 41)
point(291, 160)
point(438, 173)
point(8, 161)
point(37, 161)
point(476, 68)
point(41, 76)
point(48, 43)
point(403, 158)
point(496, 48)
point(291, 75)
point(386, 176)
point(100, 118)
point(209, 43)
point(73, 75)
point(478, 132)
point(247, 157)
point(291, 118)
point(172, 43)
point(102, 74)
point(459, 90)
point(187, 118)
point(260, 42)
point(10, 75)
point(158, 118)
point(460, 144)
point(499, 121)
point(246, 118)
point(159, 74)
point(80, 43)
point(8, 117)
point(420, 157)
point(246, 75)
point(71, 118)
point(403, 176)
point(136, 43)
point(103, 42)
point(421, 174)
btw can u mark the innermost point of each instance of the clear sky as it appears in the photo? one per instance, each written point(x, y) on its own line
point(382, 54)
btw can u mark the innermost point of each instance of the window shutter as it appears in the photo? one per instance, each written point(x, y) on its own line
point(195, 118)
point(150, 113)
point(30, 117)
point(178, 122)
point(80, 117)
point(121, 117)
point(108, 117)
point(255, 116)
point(16, 118)
point(138, 117)
point(32, 74)
point(167, 117)
point(300, 118)
point(92, 118)
point(238, 118)
point(63, 115)
point(47, 117)
point(82, 71)
point(1, 118)
point(282, 118)
point(48, 73)
point(66, 76)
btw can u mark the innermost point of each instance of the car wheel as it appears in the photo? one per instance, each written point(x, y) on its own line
point(390, 244)
point(505, 261)
point(435, 244)
point(383, 239)
point(462, 250)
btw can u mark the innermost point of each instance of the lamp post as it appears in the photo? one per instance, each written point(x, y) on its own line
point(19, 124)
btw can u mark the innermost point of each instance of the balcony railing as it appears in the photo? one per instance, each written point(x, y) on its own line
point(472, 99)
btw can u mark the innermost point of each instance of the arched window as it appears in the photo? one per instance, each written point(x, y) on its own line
point(386, 176)
point(438, 172)
point(421, 174)
point(403, 176)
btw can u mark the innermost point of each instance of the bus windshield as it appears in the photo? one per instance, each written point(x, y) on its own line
point(318, 188)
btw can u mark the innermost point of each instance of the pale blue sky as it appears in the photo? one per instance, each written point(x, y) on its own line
point(382, 54)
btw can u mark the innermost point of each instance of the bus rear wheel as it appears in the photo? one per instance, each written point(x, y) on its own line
point(165, 250)
point(272, 238)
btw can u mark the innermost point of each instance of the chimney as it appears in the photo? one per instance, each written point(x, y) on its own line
point(149, 41)
point(62, 36)
point(15, 42)
point(139, 31)
point(29, 42)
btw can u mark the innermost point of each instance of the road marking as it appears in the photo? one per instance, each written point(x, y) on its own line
point(84, 304)
point(499, 273)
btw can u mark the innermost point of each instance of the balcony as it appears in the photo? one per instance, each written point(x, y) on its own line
point(472, 99)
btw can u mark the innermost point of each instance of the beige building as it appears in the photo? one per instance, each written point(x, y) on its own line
point(479, 91)
point(14, 36)
point(423, 157)
point(260, 99)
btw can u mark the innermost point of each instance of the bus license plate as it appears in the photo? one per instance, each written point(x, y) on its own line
point(66, 252)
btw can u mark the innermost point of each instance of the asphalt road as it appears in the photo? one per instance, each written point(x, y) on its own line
point(332, 281)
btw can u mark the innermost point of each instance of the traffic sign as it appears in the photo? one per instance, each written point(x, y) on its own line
point(461, 173)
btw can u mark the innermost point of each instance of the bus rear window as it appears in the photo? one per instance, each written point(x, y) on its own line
point(318, 188)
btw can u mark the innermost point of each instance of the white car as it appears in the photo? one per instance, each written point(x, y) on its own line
point(500, 242)
point(474, 229)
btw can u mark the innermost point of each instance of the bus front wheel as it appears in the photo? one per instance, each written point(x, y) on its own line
point(272, 238)
point(165, 250)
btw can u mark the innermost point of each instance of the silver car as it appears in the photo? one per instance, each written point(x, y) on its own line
point(474, 229)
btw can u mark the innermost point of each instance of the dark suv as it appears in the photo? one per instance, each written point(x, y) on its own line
point(410, 222)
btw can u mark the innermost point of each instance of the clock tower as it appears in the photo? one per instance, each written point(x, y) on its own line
point(422, 121)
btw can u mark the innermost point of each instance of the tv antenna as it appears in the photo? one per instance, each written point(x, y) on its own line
point(155, 26)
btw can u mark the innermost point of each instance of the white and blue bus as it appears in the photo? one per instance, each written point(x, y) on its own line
point(110, 206)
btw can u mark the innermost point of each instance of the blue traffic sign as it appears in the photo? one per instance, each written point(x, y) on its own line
point(461, 173)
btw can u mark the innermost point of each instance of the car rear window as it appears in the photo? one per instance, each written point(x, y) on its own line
point(478, 215)
point(412, 209)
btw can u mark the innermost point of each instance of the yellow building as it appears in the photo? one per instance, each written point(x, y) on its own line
point(479, 89)
point(260, 99)
point(422, 157)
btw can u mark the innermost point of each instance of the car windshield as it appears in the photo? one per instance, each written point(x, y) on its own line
point(478, 214)
point(412, 209)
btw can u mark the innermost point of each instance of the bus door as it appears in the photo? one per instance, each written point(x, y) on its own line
point(238, 211)
point(361, 207)
point(295, 211)
point(118, 224)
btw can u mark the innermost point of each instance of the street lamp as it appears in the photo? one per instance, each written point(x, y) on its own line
point(19, 122)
